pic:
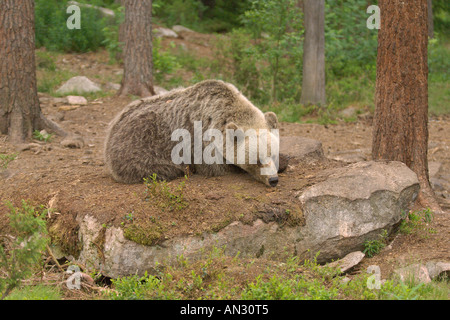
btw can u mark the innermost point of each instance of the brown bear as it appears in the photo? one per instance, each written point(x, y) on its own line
point(145, 137)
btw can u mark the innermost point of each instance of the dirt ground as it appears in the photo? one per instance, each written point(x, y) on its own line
point(74, 182)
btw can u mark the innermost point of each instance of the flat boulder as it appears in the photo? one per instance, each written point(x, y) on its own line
point(352, 204)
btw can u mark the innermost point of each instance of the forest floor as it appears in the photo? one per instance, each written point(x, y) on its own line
point(75, 181)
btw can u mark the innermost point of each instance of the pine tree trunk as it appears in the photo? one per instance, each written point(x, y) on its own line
point(313, 87)
point(401, 115)
point(19, 103)
point(137, 55)
point(20, 112)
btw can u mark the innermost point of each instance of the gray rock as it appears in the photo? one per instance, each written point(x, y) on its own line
point(299, 149)
point(348, 262)
point(348, 112)
point(354, 204)
point(165, 33)
point(112, 86)
point(435, 269)
point(76, 100)
point(80, 85)
point(179, 29)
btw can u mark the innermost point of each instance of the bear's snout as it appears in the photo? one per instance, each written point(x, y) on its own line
point(273, 181)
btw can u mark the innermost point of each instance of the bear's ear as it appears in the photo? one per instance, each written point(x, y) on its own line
point(231, 126)
point(271, 119)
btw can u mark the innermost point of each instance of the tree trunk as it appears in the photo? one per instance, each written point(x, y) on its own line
point(430, 20)
point(313, 87)
point(20, 112)
point(401, 115)
point(137, 55)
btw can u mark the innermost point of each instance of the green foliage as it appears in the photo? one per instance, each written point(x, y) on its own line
point(264, 58)
point(373, 247)
point(176, 12)
point(52, 32)
point(224, 15)
point(439, 68)
point(38, 292)
point(280, 22)
point(441, 16)
point(237, 61)
point(438, 60)
point(203, 16)
point(48, 79)
point(297, 288)
point(42, 136)
point(20, 254)
point(5, 159)
point(164, 63)
point(111, 35)
point(45, 60)
point(350, 47)
point(219, 277)
point(140, 288)
point(416, 222)
point(167, 196)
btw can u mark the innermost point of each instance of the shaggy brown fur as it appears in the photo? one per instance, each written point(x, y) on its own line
point(139, 144)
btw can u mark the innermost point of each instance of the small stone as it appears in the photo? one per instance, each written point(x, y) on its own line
point(76, 100)
point(345, 280)
point(74, 142)
point(348, 262)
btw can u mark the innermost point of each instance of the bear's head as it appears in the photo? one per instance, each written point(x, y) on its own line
point(255, 150)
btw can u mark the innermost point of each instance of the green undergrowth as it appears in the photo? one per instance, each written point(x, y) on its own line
point(217, 276)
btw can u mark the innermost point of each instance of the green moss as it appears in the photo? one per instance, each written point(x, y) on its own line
point(147, 233)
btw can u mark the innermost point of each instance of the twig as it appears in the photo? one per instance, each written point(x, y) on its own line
point(54, 258)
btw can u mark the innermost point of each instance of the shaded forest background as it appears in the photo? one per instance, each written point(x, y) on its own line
point(257, 45)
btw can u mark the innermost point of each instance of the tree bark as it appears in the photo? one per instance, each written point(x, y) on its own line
point(137, 55)
point(20, 112)
point(401, 115)
point(313, 87)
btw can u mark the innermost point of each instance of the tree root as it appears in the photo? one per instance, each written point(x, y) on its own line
point(69, 140)
point(427, 199)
